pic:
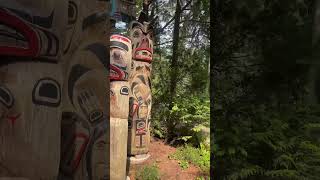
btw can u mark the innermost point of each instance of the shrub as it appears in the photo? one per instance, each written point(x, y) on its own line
point(148, 173)
point(198, 156)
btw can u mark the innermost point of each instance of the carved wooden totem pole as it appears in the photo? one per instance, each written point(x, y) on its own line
point(53, 68)
point(31, 36)
point(85, 146)
point(140, 84)
point(120, 69)
point(120, 66)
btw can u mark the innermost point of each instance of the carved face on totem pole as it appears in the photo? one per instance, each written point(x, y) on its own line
point(140, 102)
point(142, 45)
point(120, 57)
point(85, 84)
point(141, 35)
point(30, 93)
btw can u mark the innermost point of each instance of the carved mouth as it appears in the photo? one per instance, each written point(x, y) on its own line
point(16, 37)
point(143, 54)
point(117, 72)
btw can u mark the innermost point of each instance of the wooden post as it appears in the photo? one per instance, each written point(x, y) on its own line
point(140, 84)
point(120, 66)
point(30, 87)
point(85, 147)
point(54, 61)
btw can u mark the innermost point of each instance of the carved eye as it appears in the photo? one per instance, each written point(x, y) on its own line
point(136, 34)
point(151, 35)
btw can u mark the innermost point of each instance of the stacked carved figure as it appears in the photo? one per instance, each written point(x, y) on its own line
point(120, 66)
point(130, 95)
point(53, 105)
point(140, 88)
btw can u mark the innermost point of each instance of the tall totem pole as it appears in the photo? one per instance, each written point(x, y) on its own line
point(120, 56)
point(54, 110)
point(141, 33)
point(120, 70)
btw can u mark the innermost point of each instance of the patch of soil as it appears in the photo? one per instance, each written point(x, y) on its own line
point(169, 169)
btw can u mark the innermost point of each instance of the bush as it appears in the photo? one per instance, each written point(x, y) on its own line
point(268, 144)
point(198, 156)
point(148, 173)
point(187, 122)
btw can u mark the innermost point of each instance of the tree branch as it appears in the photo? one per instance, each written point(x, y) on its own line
point(166, 42)
point(170, 21)
point(198, 21)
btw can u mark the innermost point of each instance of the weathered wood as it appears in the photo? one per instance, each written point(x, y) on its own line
point(118, 145)
point(120, 57)
point(54, 61)
point(140, 86)
point(120, 67)
point(85, 146)
point(30, 124)
point(119, 109)
point(30, 87)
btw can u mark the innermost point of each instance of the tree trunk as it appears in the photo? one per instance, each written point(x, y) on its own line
point(174, 63)
point(216, 41)
point(314, 76)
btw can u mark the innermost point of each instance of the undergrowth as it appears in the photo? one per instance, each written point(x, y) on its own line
point(197, 156)
point(148, 173)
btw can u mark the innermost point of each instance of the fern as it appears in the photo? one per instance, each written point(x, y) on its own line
point(246, 173)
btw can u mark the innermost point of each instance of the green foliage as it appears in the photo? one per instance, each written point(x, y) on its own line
point(265, 128)
point(268, 144)
point(184, 164)
point(197, 156)
point(189, 107)
point(148, 173)
point(190, 115)
point(201, 178)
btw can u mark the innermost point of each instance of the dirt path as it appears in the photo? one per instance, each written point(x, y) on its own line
point(169, 169)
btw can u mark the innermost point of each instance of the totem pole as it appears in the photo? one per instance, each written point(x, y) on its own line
point(53, 63)
point(31, 36)
point(120, 65)
point(140, 85)
point(85, 119)
point(120, 68)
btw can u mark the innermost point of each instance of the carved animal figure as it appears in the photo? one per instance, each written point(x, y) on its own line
point(140, 86)
point(120, 66)
point(53, 64)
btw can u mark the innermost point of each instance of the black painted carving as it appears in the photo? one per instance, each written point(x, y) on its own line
point(142, 79)
point(47, 92)
point(120, 45)
point(45, 22)
point(6, 97)
point(124, 90)
point(76, 72)
point(94, 19)
point(140, 127)
point(89, 105)
point(72, 13)
point(100, 50)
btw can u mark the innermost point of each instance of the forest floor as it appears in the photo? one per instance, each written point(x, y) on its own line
point(169, 169)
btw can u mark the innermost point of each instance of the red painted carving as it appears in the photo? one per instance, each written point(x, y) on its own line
point(79, 155)
point(13, 118)
point(119, 74)
point(23, 28)
point(121, 38)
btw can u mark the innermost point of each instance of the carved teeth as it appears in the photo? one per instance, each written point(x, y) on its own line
point(143, 53)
